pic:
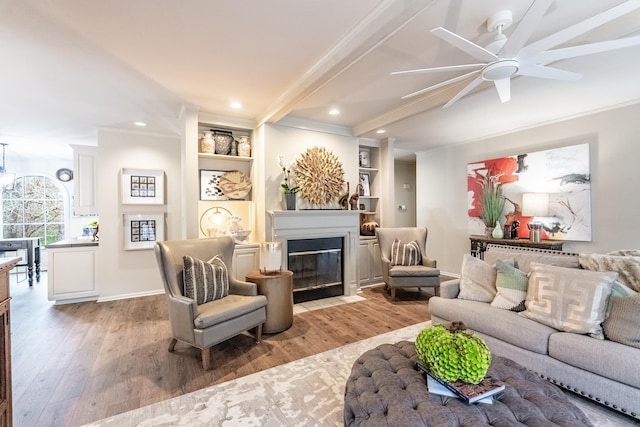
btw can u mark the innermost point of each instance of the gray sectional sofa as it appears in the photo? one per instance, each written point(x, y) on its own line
point(603, 370)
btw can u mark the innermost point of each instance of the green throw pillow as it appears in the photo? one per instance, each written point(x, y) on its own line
point(205, 281)
point(511, 286)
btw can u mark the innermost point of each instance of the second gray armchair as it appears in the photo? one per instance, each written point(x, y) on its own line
point(395, 274)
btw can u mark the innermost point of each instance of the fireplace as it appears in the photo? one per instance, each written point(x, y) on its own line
point(317, 268)
point(320, 247)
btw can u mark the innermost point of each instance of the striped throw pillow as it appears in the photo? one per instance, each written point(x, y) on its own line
point(205, 281)
point(405, 253)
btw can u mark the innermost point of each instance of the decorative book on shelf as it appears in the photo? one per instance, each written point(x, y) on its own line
point(468, 393)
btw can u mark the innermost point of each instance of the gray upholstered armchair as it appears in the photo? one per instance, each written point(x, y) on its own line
point(406, 276)
point(210, 323)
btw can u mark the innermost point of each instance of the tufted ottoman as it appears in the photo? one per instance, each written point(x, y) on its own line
point(386, 389)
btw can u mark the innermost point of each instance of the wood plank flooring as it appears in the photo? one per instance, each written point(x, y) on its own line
point(77, 363)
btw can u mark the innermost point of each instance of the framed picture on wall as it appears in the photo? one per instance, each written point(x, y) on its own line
point(365, 189)
point(210, 185)
point(142, 231)
point(141, 186)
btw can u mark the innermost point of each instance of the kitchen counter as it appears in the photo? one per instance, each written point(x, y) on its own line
point(71, 243)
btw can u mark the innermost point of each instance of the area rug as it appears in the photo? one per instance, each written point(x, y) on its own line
point(306, 392)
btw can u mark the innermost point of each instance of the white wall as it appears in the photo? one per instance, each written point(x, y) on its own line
point(442, 186)
point(292, 142)
point(405, 174)
point(132, 273)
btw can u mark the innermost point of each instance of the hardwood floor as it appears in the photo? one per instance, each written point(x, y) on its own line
point(77, 363)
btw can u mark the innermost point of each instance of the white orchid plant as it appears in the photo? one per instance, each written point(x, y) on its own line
point(287, 169)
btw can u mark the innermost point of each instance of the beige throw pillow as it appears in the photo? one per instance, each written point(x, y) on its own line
point(623, 323)
point(627, 266)
point(477, 280)
point(568, 299)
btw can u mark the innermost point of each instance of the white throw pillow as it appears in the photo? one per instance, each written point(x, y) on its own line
point(477, 280)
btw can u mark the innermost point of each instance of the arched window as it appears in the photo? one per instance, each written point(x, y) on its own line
point(34, 208)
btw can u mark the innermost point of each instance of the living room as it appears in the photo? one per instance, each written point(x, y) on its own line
point(478, 127)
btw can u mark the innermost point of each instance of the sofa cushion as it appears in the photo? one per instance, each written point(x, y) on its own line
point(511, 286)
point(627, 267)
point(228, 308)
point(205, 281)
point(605, 358)
point(623, 323)
point(477, 280)
point(495, 322)
point(405, 253)
point(523, 257)
point(568, 299)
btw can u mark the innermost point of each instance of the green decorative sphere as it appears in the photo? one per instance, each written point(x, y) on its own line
point(453, 353)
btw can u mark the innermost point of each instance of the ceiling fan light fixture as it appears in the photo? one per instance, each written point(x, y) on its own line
point(500, 70)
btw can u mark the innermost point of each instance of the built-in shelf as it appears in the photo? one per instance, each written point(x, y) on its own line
point(369, 197)
point(368, 169)
point(225, 157)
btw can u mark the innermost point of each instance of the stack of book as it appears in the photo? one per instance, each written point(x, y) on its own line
point(484, 392)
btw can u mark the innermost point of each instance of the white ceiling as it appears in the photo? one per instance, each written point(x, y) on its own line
point(72, 66)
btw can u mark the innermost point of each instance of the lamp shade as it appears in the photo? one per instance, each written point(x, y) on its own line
point(535, 204)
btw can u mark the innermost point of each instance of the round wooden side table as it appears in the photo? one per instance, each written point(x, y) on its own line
point(278, 288)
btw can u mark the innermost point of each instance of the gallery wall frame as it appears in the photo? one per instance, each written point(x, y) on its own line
point(142, 230)
point(365, 188)
point(141, 186)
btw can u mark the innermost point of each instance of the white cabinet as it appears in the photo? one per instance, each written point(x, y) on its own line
point(72, 273)
point(369, 264)
point(85, 183)
point(245, 259)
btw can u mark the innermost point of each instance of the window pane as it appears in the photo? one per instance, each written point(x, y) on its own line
point(34, 187)
point(55, 211)
point(55, 233)
point(11, 231)
point(34, 230)
point(33, 211)
point(12, 212)
point(16, 193)
point(51, 190)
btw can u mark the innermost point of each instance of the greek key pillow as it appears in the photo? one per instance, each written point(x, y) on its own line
point(568, 299)
point(205, 281)
point(405, 253)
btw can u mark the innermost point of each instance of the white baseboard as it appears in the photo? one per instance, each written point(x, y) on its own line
point(134, 295)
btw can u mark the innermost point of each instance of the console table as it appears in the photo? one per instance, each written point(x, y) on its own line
point(479, 244)
point(32, 246)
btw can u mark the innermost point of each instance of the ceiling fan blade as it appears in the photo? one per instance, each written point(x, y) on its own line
point(525, 28)
point(464, 45)
point(503, 86)
point(578, 29)
point(547, 73)
point(468, 88)
point(439, 85)
point(439, 69)
point(585, 49)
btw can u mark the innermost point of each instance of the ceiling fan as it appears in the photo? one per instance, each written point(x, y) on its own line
point(505, 58)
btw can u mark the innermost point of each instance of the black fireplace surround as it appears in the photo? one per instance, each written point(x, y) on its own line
point(317, 266)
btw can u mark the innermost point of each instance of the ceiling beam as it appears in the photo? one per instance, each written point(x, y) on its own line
point(383, 22)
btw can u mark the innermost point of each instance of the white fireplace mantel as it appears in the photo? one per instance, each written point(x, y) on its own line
point(315, 224)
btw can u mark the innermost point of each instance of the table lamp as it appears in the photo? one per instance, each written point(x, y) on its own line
point(535, 205)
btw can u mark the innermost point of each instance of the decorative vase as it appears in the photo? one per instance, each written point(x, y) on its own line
point(222, 142)
point(497, 232)
point(290, 200)
point(234, 148)
point(207, 145)
point(488, 231)
point(368, 224)
point(244, 148)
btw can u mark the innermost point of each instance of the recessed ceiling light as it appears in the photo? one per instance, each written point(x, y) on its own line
point(235, 105)
point(334, 111)
point(381, 131)
point(141, 124)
